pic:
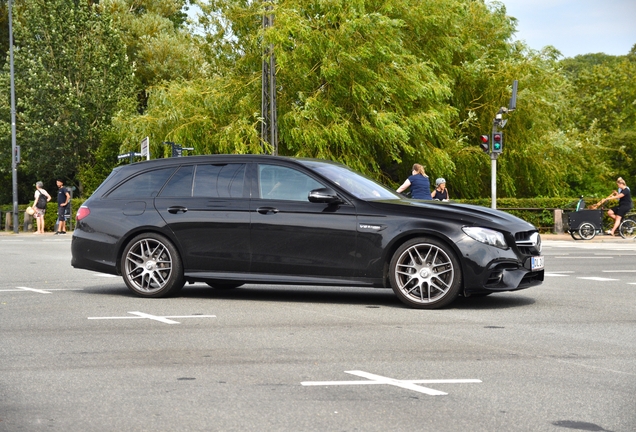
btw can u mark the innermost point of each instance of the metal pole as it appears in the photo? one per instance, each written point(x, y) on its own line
point(493, 179)
point(272, 97)
point(14, 167)
point(264, 92)
point(269, 125)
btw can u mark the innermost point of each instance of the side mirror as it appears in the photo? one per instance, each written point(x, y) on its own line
point(325, 196)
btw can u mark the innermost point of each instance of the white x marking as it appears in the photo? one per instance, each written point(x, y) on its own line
point(163, 319)
point(405, 384)
point(34, 290)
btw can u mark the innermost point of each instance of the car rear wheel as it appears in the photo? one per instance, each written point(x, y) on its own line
point(151, 266)
point(425, 274)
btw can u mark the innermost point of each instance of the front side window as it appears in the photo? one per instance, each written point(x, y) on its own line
point(282, 183)
point(144, 185)
point(219, 181)
point(353, 182)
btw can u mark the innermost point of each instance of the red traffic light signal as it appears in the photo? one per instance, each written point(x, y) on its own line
point(484, 143)
point(497, 142)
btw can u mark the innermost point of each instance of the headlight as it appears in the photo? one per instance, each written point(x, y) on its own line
point(488, 236)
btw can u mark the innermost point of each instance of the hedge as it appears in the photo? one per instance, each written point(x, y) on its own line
point(538, 211)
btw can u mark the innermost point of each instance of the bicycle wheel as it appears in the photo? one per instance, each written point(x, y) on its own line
point(627, 229)
point(587, 231)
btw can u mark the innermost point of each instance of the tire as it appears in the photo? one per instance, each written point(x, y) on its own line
point(151, 266)
point(575, 235)
point(627, 229)
point(587, 231)
point(225, 285)
point(425, 274)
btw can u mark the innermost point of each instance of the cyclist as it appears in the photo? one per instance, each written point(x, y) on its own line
point(625, 204)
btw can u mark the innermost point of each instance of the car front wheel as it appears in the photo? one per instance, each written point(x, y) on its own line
point(151, 266)
point(425, 274)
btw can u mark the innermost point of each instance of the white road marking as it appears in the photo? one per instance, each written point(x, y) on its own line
point(163, 319)
point(600, 279)
point(582, 257)
point(405, 384)
point(47, 291)
point(555, 274)
point(619, 271)
point(34, 290)
point(106, 275)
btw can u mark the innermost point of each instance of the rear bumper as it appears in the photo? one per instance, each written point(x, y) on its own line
point(91, 255)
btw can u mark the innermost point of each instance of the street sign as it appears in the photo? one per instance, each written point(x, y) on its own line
point(145, 148)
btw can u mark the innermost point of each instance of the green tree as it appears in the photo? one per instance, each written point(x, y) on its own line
point(158, 42)
point(71, 73)
point(349, 90)
point(604, 91)
point(377, 85)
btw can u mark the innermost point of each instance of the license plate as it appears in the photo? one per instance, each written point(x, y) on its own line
point(536, 263)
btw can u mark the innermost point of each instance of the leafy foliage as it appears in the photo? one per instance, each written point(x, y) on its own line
point(72, 71)
point(376, 84)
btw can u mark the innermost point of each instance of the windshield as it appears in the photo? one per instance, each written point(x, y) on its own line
point(354, 183)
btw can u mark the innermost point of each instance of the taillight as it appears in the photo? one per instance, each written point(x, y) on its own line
point(83, 212)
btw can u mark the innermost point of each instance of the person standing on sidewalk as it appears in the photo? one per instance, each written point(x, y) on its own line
point(418, 182)
point(440, 193)
point(42, 197)
point(63, 200)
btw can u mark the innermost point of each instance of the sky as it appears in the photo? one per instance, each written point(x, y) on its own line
point(576, 26)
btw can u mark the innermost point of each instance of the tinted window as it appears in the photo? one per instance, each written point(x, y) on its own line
point(354, 183)
point(219, 181)
point(144, 185)
point(284, 183)
point(180, 185)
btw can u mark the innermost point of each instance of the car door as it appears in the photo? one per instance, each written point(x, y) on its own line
point(290, 235)
point(207, 208)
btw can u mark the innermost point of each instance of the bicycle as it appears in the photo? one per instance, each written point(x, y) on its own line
point(586, 224)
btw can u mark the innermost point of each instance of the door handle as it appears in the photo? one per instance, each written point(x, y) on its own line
point(177, 209)
point(266, 210)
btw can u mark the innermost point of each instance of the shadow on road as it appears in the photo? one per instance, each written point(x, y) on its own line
point(322, 295)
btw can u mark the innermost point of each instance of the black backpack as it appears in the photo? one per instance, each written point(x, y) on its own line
point(41, 204)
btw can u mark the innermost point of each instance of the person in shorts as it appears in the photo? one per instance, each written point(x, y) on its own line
point(625, 204)
point(63, 201)
point(42, 197)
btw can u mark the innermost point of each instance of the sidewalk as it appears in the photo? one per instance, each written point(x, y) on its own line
point(599, 238)
point(33, 234)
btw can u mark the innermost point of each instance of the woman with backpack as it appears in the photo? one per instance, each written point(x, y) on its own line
point(42, 197)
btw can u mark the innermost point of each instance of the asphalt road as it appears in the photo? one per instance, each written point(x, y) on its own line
point(79, 352)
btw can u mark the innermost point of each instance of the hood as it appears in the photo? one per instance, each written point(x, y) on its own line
point(465, 214)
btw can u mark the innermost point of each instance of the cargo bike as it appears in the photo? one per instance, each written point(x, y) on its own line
point(585, 224)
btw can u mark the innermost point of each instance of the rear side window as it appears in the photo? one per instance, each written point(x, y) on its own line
point(219, 181)
point(180, 185)
point(144, 185)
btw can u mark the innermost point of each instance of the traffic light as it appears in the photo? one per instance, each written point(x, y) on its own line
point(497, 142)
point(176, 150)
point(484, 143)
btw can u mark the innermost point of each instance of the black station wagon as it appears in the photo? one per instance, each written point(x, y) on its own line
point(228, 220)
